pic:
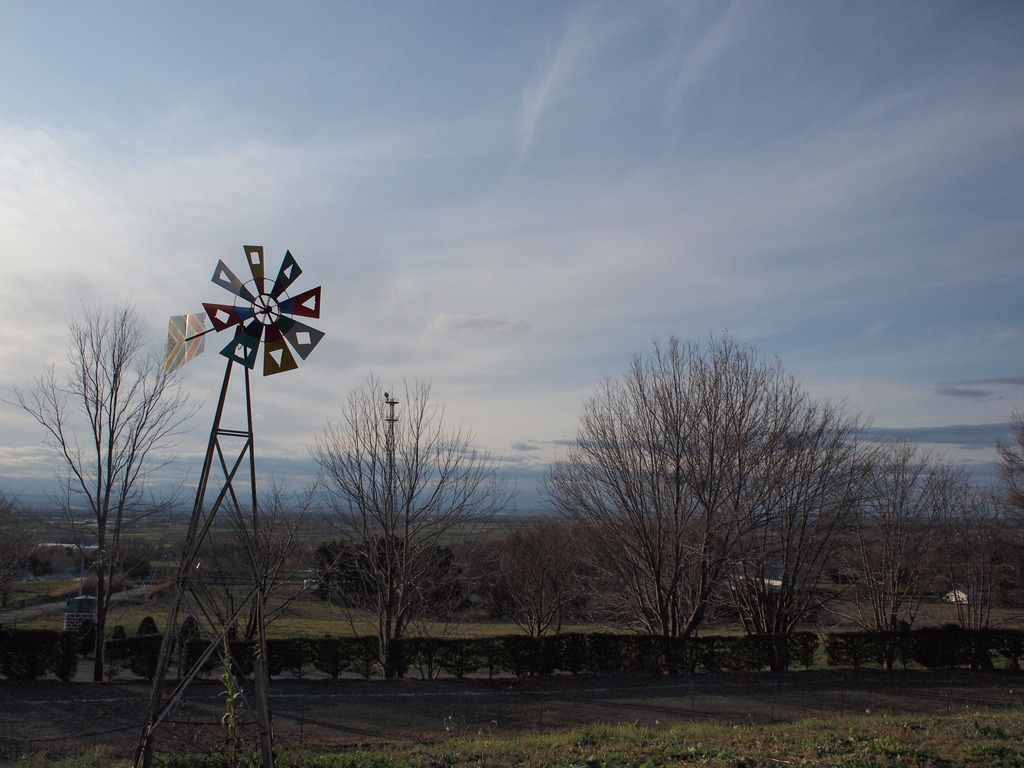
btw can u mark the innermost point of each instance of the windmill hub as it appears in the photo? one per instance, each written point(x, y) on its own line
point(266, 309)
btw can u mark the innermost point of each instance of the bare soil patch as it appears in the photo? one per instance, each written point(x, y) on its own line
point(54, 715)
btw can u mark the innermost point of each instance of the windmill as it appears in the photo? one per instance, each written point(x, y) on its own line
point(263, 314)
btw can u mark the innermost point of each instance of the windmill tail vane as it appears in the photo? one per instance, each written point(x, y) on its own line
point(263, 312)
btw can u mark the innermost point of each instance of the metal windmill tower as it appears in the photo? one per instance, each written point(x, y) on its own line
point(263, 314)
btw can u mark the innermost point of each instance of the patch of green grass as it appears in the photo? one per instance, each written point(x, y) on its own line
point(92, 757)
point(832, 743)
point(996, 755)
point(850, 742)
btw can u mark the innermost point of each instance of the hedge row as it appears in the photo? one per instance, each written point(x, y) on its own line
point(516, 654)
point(26, 654)
point(932, 647)
point(331, 655)
point(598, 653)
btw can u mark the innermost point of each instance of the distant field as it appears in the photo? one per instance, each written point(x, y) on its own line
point(33, 591)
point(307, 616)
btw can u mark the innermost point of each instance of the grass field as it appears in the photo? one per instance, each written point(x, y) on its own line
point(305, 616)
point(984, 740)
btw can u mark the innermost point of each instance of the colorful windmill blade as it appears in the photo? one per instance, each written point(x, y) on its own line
point(265, 314)
point(186, 338)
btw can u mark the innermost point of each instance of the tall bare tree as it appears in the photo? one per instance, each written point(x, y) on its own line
point(896, 531)
point(404, 491)
point(108, 416)
point(668, 474)
point(811, 485)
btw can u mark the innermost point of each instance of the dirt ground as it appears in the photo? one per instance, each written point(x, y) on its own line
point(53, 715)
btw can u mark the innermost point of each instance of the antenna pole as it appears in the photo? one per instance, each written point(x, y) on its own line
point(390, 419)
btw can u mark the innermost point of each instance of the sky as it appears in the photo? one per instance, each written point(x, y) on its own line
point(511, 199)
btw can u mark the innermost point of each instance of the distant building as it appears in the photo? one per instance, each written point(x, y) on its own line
point(957, 596)
point(79, 609)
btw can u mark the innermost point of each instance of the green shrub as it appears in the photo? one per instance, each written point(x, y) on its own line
point(682, 654)
point(461, 656)
point(491, 654)
point(395, 662)
point(1009, 643)
point(523, 655)
point(289, 654)
point(334, 655)
point(953, 646)
point(802, 647)
point(86, 637)
point(855, 649)
point(26, 654)
point(241, 657)
point(140, 654)
point(848, 649)
point(328, 656)
point(607, 653)
point(423, 653)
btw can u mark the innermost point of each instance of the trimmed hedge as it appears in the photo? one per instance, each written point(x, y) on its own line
point(335, 655)
point(241, 656)
point(931, 647)
point(139, 653)
point(601, 653)
point(520, 655)
point(26, 654)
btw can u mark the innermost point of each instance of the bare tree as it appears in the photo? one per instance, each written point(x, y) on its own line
point(108, 418)
point(668, 474)
point(896, 529)
point(537, 577)
point(404, 491)
point(974, 555)
point(1011, 468)
point(811, 485)
point(16, 545)
point(267, 550)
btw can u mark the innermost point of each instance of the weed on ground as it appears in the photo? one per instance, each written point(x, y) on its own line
point(972, 740)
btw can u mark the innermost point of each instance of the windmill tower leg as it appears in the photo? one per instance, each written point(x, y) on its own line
point(184, 592)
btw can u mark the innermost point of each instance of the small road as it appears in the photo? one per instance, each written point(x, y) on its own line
point(30, 612)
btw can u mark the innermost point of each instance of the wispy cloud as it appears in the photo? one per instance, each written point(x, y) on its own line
point(1016, 381)
point(972, 390)
point(714, 43)
point(476, 324)
point(967, 436)
point(584, 38)
point(962, 392)
point(525, 447)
